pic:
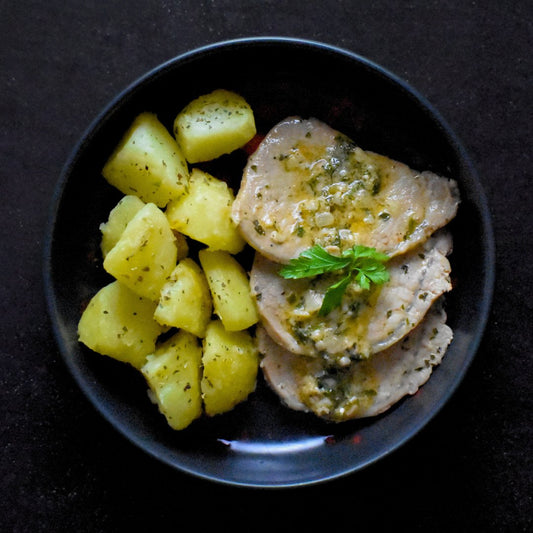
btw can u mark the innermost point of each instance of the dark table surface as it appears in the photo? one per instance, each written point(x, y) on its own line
point(62, 467)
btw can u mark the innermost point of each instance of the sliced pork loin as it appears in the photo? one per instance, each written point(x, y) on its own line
point(363, 388)
point(308, 184)
point(366, 321)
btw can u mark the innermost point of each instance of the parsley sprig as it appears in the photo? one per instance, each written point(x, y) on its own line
point(362, 264)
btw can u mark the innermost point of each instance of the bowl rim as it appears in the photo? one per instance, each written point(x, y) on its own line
point(92, 130)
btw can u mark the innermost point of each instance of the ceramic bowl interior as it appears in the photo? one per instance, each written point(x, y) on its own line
point(261, 443)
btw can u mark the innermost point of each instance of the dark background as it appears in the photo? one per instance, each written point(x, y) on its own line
point(62, 467)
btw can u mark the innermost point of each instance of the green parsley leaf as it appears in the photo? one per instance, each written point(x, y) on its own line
point(333, 296)
point(313, 262)
point(363, 264)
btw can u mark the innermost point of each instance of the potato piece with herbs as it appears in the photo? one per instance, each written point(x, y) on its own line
point(117, 221)
point(204, 214)
point(214, 124)
point(173, 375)
point(185, 300)
point(148, 163)
point(145, 254)
point(120, 324)
point(230, 289)
point(230, 362)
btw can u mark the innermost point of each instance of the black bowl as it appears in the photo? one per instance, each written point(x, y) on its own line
point(261, 443)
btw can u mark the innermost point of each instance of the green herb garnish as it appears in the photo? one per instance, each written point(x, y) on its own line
point(363, 264)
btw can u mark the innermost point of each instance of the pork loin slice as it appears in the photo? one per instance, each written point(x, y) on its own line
point(366, 322)
point(309, 184)
point(363, 388)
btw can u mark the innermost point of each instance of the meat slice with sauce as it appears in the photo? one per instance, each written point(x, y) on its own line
point(363, 388)
point(367, 321)
point(308, 184)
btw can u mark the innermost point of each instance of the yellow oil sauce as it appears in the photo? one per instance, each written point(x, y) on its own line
point(335, 393)
point(358, 327)
point(342, 335)
point(335, 194)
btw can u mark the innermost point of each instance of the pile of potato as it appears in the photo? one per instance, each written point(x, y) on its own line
point(209, 362)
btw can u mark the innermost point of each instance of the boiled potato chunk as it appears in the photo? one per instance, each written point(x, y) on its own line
point(119, 323)
point(230, 362)
point(173, 375)
point(230, 289)
point(148, 163)
point(117, 221)
point(204, 214)
point(185, 300)
point(145, 254)
point(214, 124)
